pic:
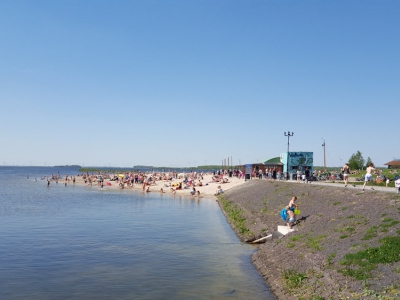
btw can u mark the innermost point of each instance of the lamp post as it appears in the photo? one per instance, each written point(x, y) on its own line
point(288, 134)
point(323, 145)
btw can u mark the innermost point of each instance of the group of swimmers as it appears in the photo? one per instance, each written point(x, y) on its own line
point(56, 178)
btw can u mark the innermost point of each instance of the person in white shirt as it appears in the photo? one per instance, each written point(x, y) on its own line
point(397, 185)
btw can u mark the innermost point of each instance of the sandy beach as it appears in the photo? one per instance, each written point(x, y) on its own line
point(208, 188)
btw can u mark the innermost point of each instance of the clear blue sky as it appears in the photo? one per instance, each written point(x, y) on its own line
point(178, 83)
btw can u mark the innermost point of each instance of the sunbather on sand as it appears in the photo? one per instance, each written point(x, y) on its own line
point(219, 191)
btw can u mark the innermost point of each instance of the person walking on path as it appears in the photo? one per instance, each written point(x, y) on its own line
point(307, 173)
point(346, 173)
point(397, 185)
point(298, 175)
point(368, 176)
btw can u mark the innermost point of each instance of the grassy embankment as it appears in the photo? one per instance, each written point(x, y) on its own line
point(358, 238)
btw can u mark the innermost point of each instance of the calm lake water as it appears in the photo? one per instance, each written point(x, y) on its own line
point(78, 242)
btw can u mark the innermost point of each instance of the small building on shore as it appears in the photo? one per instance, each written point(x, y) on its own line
point(394, 164)
point(264, 166)
point(297, 161)
point(274, 163)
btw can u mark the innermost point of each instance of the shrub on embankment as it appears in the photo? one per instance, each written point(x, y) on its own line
point(347, 244)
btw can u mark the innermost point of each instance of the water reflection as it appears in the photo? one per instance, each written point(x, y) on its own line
point(77, 242)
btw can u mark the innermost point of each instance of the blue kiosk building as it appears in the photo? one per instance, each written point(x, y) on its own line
point(293, 161)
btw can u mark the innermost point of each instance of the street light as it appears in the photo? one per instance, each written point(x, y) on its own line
point(288, 134)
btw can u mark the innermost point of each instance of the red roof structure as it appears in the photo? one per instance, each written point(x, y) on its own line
point(394, 164)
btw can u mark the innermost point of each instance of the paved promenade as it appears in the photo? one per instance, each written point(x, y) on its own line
point(350, 185)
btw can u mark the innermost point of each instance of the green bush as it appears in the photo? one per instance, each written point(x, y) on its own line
point(293, 278)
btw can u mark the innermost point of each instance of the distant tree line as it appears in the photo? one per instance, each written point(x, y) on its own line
point(166, 169)
point(356, 162)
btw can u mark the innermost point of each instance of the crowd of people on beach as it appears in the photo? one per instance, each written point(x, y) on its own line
point(268, 173)
point(175, 181)
point(149, 181)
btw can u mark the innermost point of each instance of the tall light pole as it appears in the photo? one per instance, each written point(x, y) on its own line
point(323, 145)
point(288, 134)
